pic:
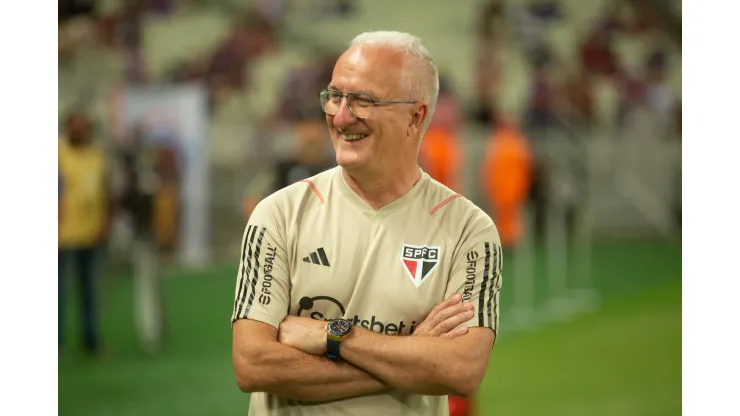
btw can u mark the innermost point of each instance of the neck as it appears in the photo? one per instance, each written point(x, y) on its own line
point(79, 144)
point(379, 190)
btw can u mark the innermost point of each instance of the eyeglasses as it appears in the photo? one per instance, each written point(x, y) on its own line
point(360, 104)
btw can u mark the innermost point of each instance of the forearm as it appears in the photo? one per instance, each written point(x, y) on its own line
point(288, 372)
point(419, 364)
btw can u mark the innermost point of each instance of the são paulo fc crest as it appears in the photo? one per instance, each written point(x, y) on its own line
point(419, 261)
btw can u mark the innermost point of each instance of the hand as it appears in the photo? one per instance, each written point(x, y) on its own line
point(444, 320)
point(304, 334)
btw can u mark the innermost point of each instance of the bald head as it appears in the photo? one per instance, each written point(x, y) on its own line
point(419, 78)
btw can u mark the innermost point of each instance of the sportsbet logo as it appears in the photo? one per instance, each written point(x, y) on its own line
point(399, 328)
point(334, 309)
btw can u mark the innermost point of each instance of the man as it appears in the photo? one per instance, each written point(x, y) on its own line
point(84, 215)
point(311, 158)
point(139, 161)
point(506, 176)
point(412, 267)
point(440, 154)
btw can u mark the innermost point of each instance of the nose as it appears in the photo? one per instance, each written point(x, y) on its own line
point(344, 118)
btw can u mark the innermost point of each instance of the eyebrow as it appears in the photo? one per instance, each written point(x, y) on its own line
point(332, 87)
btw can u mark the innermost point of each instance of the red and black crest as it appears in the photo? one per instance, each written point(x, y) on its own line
point(419, 261)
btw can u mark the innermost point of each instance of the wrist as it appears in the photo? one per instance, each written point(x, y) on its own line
point(337, 330)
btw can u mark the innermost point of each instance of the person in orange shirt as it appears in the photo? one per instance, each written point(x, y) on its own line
point(440, 154)
point(506, 178)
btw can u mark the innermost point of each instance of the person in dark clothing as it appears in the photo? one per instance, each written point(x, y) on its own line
point(139, 161)
point(311, 157)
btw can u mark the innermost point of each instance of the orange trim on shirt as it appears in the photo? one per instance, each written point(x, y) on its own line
point(443, 203)
point(315, 189)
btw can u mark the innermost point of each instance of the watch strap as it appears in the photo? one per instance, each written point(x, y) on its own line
point(332, 349)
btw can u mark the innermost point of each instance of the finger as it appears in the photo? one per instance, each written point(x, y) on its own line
point(451, 311)
point(457, 332)
point(432, 320)
point(435, 326)
point(453, 321)
point(452, 300)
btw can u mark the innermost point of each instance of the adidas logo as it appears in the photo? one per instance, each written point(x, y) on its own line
point(317, 257)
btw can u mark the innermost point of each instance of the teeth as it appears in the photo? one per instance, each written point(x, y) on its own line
point(351, 137)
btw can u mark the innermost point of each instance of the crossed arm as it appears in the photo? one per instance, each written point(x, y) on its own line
point(423, 365)
point(440, 358)
point(262, 363)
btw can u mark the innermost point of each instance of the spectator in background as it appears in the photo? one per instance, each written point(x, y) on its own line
point(340, 8)
point(230, 57)
point(70, 9)
point(506, 179)
point(531, 20)
point(542, 100)
point(440, 154)
point(271, 10)
point(490, 21)
point(546, 10)
point(302, 86)
point(659, 95)
point(597, 51)
point(142, 184)
point(121, 28)
point(167, 198)
point(324, 9)
point(226, 69)
point(312, 156)
point(163, 7)
point(578, 91)
point(130, 27)
point(85, 209)
point(632, 93)
point(647, 91)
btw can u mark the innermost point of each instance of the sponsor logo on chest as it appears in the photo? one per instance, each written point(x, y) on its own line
point(419, 262)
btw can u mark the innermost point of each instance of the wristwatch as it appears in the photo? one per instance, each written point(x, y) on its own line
point(336, 331)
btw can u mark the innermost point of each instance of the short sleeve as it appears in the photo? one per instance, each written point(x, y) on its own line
point(262, 290)
point(476, 275)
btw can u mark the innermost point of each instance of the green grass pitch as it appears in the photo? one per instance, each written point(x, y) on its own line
point(622, 359)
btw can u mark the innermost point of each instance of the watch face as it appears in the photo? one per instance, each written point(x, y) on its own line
point(339, 326)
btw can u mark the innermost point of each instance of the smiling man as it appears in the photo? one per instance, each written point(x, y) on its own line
point(369, 288)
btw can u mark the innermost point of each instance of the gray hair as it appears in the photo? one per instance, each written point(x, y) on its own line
point(421, 81)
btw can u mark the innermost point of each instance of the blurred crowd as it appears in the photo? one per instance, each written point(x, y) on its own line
point(567, 89)
point(231, 44)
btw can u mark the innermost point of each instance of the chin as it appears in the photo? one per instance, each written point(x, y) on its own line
point(350, 159)
point(349, 162)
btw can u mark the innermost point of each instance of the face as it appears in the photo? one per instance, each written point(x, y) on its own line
point(389, 136)
point(77, 129)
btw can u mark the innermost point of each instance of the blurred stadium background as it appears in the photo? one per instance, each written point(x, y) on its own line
point(223, 91)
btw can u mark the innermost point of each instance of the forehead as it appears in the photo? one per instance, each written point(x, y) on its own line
point(371, 69)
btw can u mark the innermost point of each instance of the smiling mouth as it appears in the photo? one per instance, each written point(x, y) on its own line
point(353, 137)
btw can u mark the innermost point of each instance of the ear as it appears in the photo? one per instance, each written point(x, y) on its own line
point(417, 120)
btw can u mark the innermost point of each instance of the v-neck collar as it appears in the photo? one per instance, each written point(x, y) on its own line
point(364, 208)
